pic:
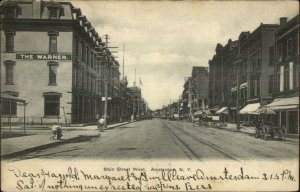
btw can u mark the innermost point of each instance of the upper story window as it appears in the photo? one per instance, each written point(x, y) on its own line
point(9, 72)
point(10, 9)
point(279, 52)
point(255, 61)
point(9, 35)
point(55, 10)
point(271, 56)
point(53, 41)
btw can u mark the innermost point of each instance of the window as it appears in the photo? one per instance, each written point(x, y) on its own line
point(76, 48)
point(296, 76)
point(52, 104)
point(289, 48)
point(83, 52)
point(55, 10)
point(9, 72)
point(258, 86)
point(52, 72)
point(271, 56)
point(9, 35)
point(52, 41)
point(291, 75)
point(286, 77)
point(252, 86)
point(271, 84)
point(255, 61)
point(281, 81)
point(9, 107)
point(279, 53)
point(53, 13)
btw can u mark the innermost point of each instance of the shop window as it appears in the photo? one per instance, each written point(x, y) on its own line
point(53, 41)
point(52, 104)
point(52, 72)
point(9, 72)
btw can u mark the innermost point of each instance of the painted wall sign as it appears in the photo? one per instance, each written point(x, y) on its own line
point(42, 56)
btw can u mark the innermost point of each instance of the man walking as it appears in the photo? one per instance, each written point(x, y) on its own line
point(101, 124)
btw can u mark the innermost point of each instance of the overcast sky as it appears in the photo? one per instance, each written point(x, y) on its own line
point(164, 40)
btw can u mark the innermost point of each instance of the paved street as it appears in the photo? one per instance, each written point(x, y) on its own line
point(164, 139)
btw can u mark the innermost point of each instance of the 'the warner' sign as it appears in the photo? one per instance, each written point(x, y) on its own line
point(36, 56)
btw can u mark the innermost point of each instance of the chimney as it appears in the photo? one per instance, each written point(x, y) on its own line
point(283, 20)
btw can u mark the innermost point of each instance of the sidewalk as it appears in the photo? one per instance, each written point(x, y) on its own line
point(251, 131)
point(40, 139)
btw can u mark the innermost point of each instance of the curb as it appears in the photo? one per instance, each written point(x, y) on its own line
point(236, 131)
point(117, 125)
point(45, 146)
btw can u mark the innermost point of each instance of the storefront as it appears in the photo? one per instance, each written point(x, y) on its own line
point(288, 112)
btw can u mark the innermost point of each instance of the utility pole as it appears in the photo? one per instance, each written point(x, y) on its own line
point(123, 58)
point(105, 85)
point(237, 98)
point(190, 96)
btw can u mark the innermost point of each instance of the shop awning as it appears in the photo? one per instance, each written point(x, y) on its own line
point(5, 96)
point(250, 108)
point(284, 103)
point(223, 110)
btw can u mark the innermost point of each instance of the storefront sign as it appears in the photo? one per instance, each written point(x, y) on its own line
point(36, 56)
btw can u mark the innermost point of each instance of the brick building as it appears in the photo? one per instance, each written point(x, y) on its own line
point(286, 75)
point(52, 57)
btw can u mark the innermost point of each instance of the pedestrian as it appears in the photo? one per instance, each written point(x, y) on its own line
point(57, 131)
point(101, 124)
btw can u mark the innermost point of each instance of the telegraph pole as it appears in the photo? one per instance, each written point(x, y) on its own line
point(237, 98)
point(105, 85)
point(190, 96)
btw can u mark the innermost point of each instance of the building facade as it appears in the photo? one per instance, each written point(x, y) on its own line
point(53, 58)
point(286, 75)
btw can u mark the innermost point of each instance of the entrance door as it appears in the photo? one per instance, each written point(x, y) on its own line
point(293, 122)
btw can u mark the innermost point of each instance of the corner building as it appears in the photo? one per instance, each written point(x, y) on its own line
point(50, 58)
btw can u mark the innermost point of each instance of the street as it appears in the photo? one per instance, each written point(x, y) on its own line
point(164, 139)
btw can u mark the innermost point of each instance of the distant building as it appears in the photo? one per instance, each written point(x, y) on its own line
point(195, 93)
point(135, 94)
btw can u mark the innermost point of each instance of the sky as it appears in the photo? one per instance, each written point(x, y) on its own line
point(165, 39)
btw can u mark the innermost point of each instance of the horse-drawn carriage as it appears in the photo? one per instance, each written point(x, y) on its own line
point(266, 130)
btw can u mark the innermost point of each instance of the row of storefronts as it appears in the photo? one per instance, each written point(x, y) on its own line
point(54, 61)
point(259, 70)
